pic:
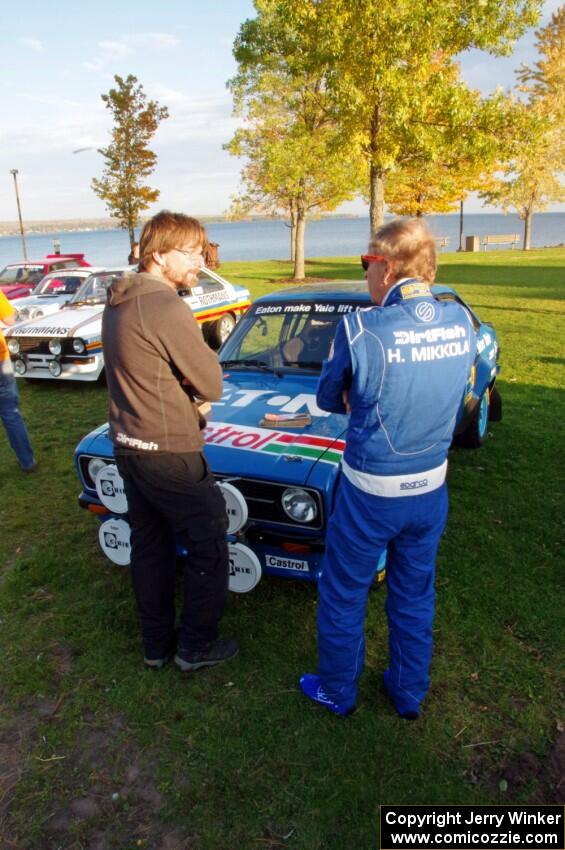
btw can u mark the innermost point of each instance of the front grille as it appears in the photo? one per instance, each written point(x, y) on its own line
point(263, 497)
point(264, 501)
point(34, 344)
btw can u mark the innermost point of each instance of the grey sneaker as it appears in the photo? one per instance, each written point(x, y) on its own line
point(211, 654)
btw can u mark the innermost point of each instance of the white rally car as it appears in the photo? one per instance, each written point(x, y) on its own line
point(68, 344)
point(51, 293)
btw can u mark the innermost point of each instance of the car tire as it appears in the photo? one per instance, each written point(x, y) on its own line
point(476, 431)
point(220, 330)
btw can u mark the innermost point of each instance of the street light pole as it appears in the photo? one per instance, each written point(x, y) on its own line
point(14, 173)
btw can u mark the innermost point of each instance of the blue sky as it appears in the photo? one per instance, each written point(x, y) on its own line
point(58, 59)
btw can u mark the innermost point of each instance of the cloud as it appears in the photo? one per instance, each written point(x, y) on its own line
point(155, 40)
point(52, 100)
point(110, 51)
point(31, 43)
point(114, 49)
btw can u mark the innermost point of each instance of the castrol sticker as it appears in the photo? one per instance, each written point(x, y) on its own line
point(110, 489)
point(114, 538)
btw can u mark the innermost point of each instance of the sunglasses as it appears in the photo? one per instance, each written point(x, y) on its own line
point(366, 259)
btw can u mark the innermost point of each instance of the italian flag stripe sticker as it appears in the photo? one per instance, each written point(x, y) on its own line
point(303, 451)
point(306, 439)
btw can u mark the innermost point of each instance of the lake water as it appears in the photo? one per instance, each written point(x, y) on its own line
point(262, 240)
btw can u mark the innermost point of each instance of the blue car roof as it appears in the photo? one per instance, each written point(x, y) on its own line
point(333, 290)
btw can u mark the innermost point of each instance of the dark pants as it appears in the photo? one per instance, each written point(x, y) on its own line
point(170, 496)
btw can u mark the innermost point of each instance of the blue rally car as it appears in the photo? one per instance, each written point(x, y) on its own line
point(275, 454)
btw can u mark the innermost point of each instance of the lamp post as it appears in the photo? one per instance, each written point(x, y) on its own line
point(460, 225)
point(14, 173)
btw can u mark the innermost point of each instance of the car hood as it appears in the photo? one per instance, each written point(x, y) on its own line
point(236, 443)
point(240, 442)
point(73, 321)
point(42, 299)
point(14, 290)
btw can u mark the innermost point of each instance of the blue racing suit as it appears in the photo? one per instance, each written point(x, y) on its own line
point(404, 366)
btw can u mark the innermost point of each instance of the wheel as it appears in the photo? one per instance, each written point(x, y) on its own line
point(475, 433)
point(220, 330)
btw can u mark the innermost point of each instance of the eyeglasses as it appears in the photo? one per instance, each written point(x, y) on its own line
point(371, 258)
point(191, 253)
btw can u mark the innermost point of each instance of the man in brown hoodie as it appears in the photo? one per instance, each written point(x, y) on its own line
point(158, 367)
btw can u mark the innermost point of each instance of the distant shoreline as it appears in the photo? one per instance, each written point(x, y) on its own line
point(84, 225)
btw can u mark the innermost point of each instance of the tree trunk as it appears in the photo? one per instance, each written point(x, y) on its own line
point(376, 198)
point(299, 272)
point(131, 232)
point(292, 234)
point(528, 228)
point(460, 225)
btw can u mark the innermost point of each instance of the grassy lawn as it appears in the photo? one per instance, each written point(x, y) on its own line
point(96, 752)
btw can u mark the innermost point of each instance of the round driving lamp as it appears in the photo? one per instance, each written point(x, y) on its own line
point(20, 367)
point(55, 368)
point(79, 346)
point(55, 346)
point(95, 464)
point(13, 346)
point(299, 505)
point(36, 314)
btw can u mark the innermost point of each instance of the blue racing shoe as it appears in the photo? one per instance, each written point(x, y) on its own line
point(311, 686)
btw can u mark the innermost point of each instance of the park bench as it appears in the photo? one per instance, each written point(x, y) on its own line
point(441, 242)
point(501, 239)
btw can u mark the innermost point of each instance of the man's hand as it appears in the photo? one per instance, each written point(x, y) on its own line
point(345, 399)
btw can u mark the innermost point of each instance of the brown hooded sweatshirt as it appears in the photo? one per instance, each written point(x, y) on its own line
point(152, 342)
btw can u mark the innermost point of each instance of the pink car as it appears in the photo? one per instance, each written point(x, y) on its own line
point(18, 280)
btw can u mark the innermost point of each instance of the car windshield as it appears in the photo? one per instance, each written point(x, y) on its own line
point(285, 335)
point(94, 289)
point(58, 284)
point(21, 274)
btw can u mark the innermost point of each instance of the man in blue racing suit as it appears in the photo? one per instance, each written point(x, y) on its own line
point(400, 370)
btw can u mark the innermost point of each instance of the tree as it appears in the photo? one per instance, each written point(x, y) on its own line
point(531, 175)
point(379, 64)
point(292, 162)
point(128, 160)
point(458, 158)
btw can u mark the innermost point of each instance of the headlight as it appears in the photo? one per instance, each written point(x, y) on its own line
point(95, 464)
point(55, 346)
point(55, 368)
point(20, 367)
point(36, 314)
point(22, 315)
point(13, 346)
point(299, 505)
point(79, 346)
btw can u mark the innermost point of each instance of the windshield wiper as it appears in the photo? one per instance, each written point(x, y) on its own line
point(308, 364)
point(262, 365)
point(90, 301)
